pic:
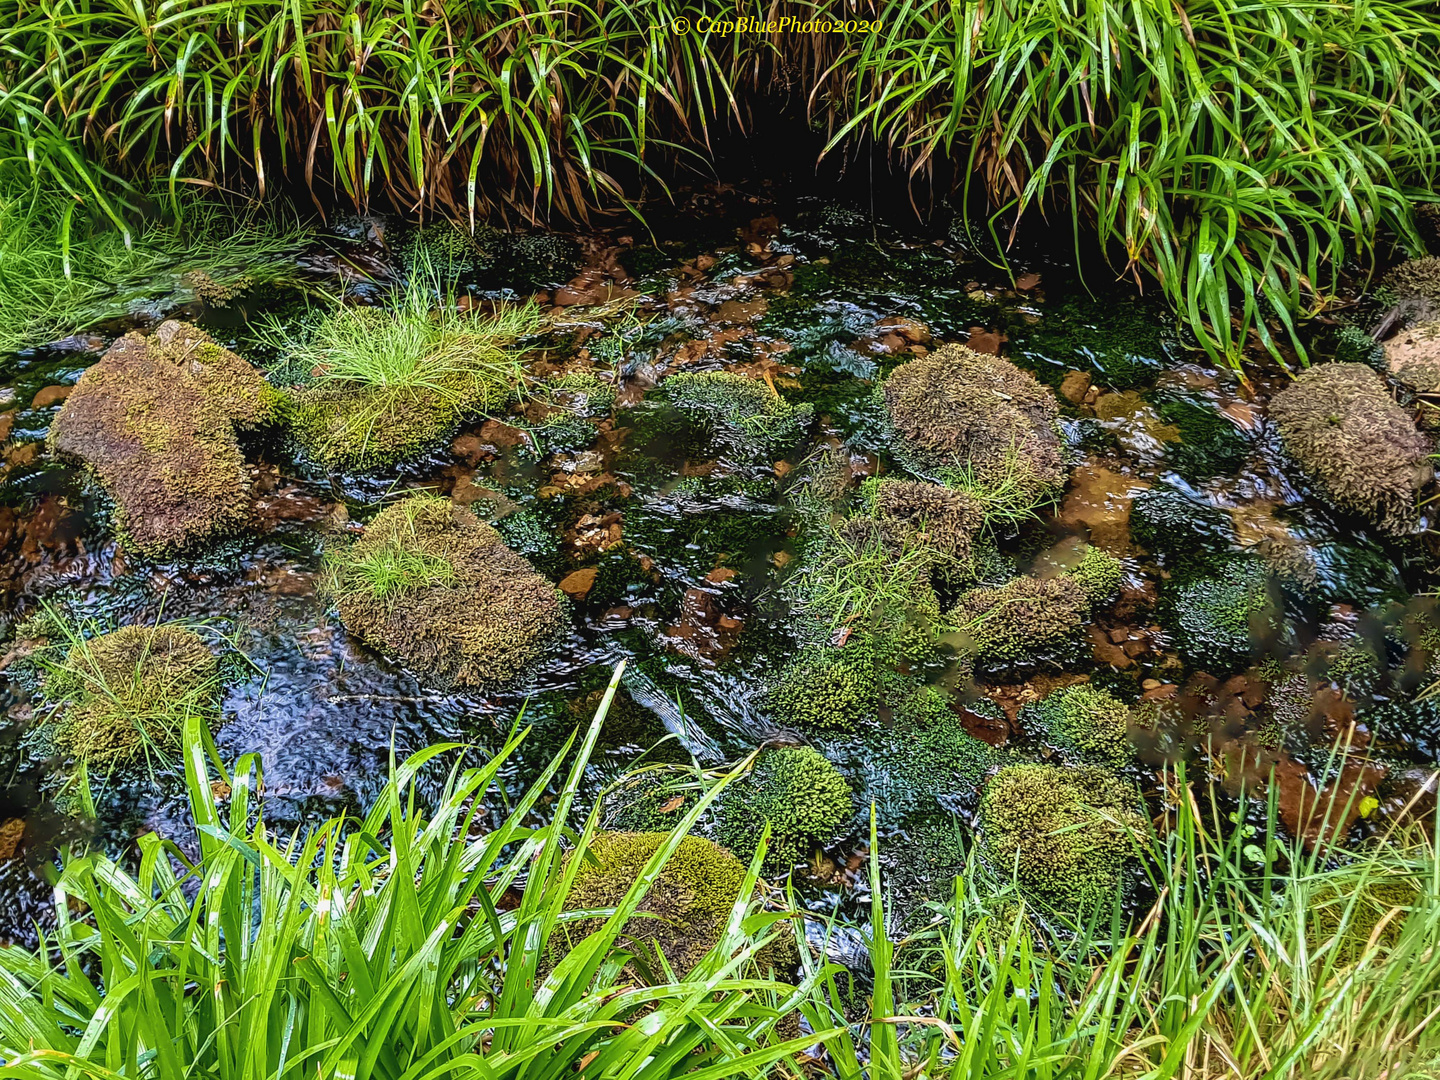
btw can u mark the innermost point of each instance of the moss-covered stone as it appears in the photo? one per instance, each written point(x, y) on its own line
point(122, 697)
point(835, 689)
point(979, 416)
point(741, 415)
point(1025, 614)
point(937, 517)
point(799, 792)
point(460, 609)
point(1223, 617)
point(156, 420)
point(681, 917)
point(1415, 287)
point(1098, 573)
point(1084, 722)
point(1064, 833)
point(1341, 426)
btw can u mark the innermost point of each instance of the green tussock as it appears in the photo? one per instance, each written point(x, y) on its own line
point(1084, 722)
point(798, 792)
point(823, 688)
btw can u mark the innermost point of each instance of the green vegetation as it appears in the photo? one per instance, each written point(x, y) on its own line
point(683, 915)
point(937, 517)
point(156, 420)
point(1065, 834)
point(435, 587)
point(1340, 424)
point(1084, 722)
point(1224, 617)
point(741, 415)
point(1209, 443)
point(794, 791)
point(122, 698)
point(381, 384)
point(1007, 622)
point(1098, 573)
point(837, 689)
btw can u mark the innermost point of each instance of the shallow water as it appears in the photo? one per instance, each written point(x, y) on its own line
point(694, 559)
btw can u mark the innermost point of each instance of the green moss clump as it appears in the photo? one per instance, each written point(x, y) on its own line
point(1084, 722)
point(794, 788)
point(581, 393)
point(980, 418)
point(1099, 574)
point(433, 586)
point(124, 696)
point(1210, 445)
point(1353, 345)
point(652, 800)
point(452, 248)
point(1064, 833)
point(1010, 621)
point(1222, 617)
point(824, 688)
point(936, 516)
point(1345, 918)
point(1341, 426)
point(683, 915)
point(740, 414)
point(156, 419)
point(1181, 531)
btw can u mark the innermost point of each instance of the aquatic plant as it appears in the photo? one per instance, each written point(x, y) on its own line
point(826, 688)
point(447, 937)
point(389, 382)
point(1084, 722)
point(122, 698)
point(1006, 622)
point(1180, 530)
point(937, 516)
point(433, 586)
point(1210, 445)
point(926, 754)
point(1098, 573)
point(1341, 426)
point(156, 420)
point(1065, 834)
point(682, 916)
point(794, 789)
point(1223, 617)
point(742, 415)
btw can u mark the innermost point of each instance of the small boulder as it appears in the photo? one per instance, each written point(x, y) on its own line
point(1340, 424)
point(156, 420)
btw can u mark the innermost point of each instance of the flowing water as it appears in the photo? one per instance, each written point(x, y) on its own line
point(694, 570)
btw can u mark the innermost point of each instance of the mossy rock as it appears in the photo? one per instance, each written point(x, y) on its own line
point(156, 420)
point(937, 517)
point(1224, 617)
point(1364, 452)
point(799, 792)
point(835, 689)
point(122, 698)
point(433, 586)
point(980, 417)
point(1026, 614)
point(1414, 286)
point(682, 916)
point(926, 755)
point(1084, 722)
point(1098, 573)
point(741, 415)
point(1064, 833)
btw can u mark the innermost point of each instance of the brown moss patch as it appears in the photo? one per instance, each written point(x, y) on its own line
point(1341, 426)
point(939, 517)
point(460, 607)
point(156, 420)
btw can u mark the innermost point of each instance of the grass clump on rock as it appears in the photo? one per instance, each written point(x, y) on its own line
point(741, 415)
point(979, 423)
point(1341, 426)
point(122, 698)
point(1065, 834)
point(795, 789)
point(683, 914)
point(382, 384)
point(1084, 722)
point(156, 420)
point(436, 588)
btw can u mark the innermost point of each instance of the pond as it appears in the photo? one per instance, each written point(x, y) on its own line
point(1246, 620)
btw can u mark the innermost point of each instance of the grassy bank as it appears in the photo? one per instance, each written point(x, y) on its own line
point(1234, 153)
point(421, 944)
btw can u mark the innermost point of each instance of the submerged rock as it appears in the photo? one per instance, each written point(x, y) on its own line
point(156, 419)
point(1341, 426)
point(980, 418)
point(433, 586)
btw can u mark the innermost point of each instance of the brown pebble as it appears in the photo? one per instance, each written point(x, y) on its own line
point(1074, 386)
point(578, 582)
point(51, 395)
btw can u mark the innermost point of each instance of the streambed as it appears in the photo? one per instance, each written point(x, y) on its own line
point(687, 565)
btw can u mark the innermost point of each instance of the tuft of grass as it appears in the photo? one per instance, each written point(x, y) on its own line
point(389, 571)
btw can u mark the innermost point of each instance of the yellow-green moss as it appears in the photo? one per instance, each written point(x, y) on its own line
point(1026, 613)
point(799, 792)
point(1326, 918)
point(1085, 722)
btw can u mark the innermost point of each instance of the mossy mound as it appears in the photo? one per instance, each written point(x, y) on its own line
point(936, 516)
point(1085, 723)
point(156, 420)
point(836, 689)
point(124, 696)
point(1341, 426)
point(741, 415)
point(1346, 918)
point(436, 588)
point(1098, 573)
point(685, 911)
point(1223, 617)
point(927, 755)
point(1026, 614)
point(957, 410)
point(1415, 287)
point(1064, 833)
point(799, 792)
